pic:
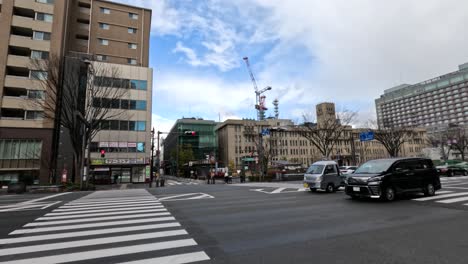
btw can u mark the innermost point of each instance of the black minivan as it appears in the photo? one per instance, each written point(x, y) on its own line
point(386, 178)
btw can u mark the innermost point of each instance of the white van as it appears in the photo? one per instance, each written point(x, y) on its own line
point(323, 175)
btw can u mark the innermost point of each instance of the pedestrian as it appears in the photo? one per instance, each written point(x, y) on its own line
point(212, 177)
point(116, 178)
point(226, 177)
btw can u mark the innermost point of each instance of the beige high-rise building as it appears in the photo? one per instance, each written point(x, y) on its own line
point(109, 33)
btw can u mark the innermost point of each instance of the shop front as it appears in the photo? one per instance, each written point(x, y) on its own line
point(113, 171)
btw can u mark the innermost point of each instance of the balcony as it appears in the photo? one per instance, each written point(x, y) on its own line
point(28, 42)
point(13, 103)
point(27, 22)
point(21, 82)
point(32, 4)
point(19, 61)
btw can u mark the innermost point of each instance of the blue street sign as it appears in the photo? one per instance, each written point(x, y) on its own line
point(265, 132)
point(366, 136)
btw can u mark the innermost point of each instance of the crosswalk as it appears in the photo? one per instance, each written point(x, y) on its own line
point(172, 183)
point(124, 226)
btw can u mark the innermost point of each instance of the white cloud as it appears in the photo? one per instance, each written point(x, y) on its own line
point(337, 50)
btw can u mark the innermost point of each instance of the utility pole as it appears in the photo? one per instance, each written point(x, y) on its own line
point(152, 159)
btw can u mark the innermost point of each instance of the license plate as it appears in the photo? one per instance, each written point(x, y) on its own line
point(356, 189)
point(306, 185)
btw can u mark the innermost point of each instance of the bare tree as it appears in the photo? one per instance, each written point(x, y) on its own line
point(326, 134)
point(88, 93)
point(391, 137)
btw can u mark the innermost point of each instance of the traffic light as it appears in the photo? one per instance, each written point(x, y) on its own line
point(103, 153)
point(190, 133)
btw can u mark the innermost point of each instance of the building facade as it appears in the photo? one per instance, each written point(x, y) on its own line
point(99, 30)
point(433, 103)
point(198, 135)
point(239, 143)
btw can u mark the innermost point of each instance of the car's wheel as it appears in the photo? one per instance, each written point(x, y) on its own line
point(330, 188)
point(465, 173)
point(313, 190)
point(389, 194)
point(429, 190)
point(451, 173)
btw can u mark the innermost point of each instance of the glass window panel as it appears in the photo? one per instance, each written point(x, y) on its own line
point(133, 84)
point(132, 105)
point(114, 125)
point(142, 85)
point(131, 125)
point(140, 105)
point(124, 125)
point(124, 104)
point(141, 125)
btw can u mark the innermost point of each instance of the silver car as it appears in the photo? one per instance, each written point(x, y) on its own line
point(323, 175)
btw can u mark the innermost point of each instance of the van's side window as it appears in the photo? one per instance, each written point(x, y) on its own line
point(330, 169)
point(401, 166)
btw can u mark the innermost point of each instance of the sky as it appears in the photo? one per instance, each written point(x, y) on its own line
point(308, 51)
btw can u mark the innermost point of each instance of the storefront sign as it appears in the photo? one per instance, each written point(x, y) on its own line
point(117, 161)
point(103, 144)
point(114, 144)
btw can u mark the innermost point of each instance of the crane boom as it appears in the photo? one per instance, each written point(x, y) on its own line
point(246, 59)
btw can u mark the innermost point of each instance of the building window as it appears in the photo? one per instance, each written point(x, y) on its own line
point(45, 1)
point(104, 42)
point(20, 149)
point(132, 30)
point(104, 26)
point(36, 94)
point(34, 115)
point(140, 126)
point(105, 10)
point(38, 75)
point(140, 105)
point(132, 61)
point(44, 17)
point(133, 16)
point(39, 35)
point(40, 55)
point(132, 46)
point(101, 57)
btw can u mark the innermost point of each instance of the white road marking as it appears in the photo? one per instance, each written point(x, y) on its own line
point(178, 197)
point(62, 209)
point(278, 190)
point(442, 192)
point(23, 239)
point(454, 200)
point(103, 253)
point(95, 219)
point(47, 197)
point(149, 210)
point(112, 202)
point(81, 226)
point(84, 211)
point(437, 197)
point(174, 259)
point(106, 205)
point(90, 242)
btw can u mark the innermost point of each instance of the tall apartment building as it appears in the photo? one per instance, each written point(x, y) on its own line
point(433, 103)
point(112, 34)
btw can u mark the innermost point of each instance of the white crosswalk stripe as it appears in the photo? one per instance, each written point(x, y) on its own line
point(84, 230)
point(177, 183)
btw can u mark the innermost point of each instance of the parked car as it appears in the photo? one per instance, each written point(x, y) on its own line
point(387, 178)
point(347, 169)
point(452, 170)
point(323, 175)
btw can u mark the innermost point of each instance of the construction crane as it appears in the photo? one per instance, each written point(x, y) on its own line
point(259, 98)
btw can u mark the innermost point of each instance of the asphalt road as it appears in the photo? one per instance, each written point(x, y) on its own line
point(250, 223)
